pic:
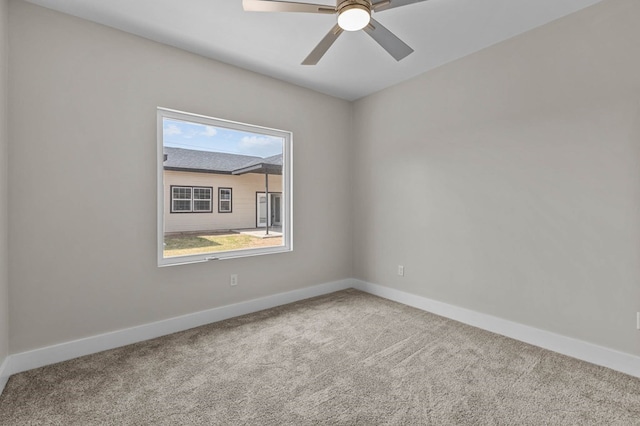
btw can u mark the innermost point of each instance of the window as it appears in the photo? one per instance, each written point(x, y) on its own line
point(251, 168)
point(187, 199)
point(202, 199)
point(180, 199)
point(224, 200)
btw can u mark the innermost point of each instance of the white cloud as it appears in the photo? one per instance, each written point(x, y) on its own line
point(209, 131)
point(172, 129)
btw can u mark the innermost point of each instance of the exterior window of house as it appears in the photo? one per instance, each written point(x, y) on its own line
point(187, 199)
point(181, 199)
point(224, 200)
point(251, 168)
point(202, 199)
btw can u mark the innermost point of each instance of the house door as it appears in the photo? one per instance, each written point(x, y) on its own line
point(261, 210)
point(276, 209)
point(272, 210)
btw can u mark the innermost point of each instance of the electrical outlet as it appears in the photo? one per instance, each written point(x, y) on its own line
point(638, 320)
point(401, 270)
point(234, 280)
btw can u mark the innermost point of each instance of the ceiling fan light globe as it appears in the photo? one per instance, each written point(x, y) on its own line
point(354, 18)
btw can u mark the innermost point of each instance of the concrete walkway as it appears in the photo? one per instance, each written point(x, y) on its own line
point(274, 232)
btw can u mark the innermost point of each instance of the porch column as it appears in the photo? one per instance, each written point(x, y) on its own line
point(266, 192)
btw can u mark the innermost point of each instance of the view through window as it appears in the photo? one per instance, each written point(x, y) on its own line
point(223, 189)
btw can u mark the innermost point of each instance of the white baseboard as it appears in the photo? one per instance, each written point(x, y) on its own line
point(24, 361)
point(599, 355)
point(619, 361)
point(4, 374)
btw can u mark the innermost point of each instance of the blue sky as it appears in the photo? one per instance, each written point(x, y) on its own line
point(184, 134)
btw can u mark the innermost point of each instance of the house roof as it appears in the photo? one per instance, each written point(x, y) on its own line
point(219, 162)
point(271, 165)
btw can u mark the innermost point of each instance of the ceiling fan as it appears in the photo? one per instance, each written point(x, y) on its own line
point(353, 15)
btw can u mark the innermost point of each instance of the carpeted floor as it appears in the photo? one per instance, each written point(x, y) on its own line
point(345, 358)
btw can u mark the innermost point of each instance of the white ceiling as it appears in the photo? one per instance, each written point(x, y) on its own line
point(275, 44)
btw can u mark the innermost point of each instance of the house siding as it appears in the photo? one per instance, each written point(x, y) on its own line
point(243, 213)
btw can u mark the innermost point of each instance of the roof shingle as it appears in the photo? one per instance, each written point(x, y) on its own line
point(213, 162)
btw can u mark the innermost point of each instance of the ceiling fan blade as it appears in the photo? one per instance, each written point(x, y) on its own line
point(318, 52)
point(379, 6)
point(389, 42)
point(285, 6)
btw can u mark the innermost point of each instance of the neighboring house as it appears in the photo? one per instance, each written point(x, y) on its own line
point(215, 191)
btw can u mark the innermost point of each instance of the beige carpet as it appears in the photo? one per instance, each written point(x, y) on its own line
point(345, 358)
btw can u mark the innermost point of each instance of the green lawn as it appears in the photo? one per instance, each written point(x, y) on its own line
point(181, 245)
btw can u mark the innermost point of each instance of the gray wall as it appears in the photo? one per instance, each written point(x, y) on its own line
point(4, 142)
point(83, 205)
point(508, 182)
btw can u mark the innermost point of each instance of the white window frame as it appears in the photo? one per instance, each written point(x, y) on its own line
point(174, 199)
point(287, 188)
point(220, 199)
point(192, 199)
